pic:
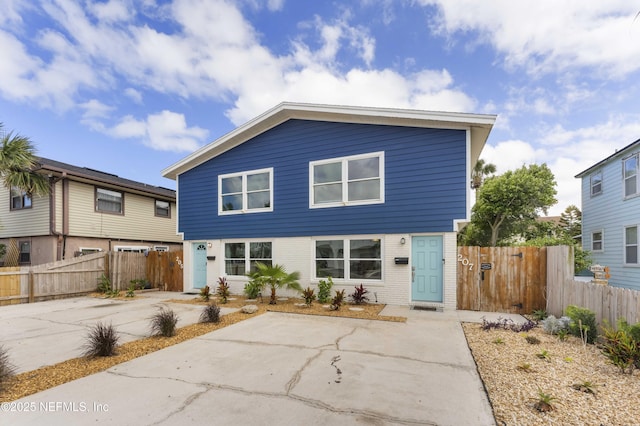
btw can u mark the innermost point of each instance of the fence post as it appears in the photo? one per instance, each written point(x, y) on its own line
point(31, 295)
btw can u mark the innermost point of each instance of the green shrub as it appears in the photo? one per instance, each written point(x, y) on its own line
point(253, 288)
point(539, 314)
point(102, 340)
point(621, 347)
point(583, 323)
point(104, 284)
point(210, 313)
point(205, 293)
point(324, 290)
point(7, 369)
point(131, 291)
point(163, 323)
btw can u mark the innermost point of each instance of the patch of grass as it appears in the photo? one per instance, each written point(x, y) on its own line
point(102, 341)
point(498, 341)
point(210, 313)
point(544, 354)
point(525, 366)
point(544, 402)
point(163, 323)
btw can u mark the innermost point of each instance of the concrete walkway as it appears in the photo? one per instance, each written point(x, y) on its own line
point(273, 369)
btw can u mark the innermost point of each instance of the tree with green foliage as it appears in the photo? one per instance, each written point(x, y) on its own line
point(508, 204)
point(481, 171)
point(17, 163)
point(571, 221)
point(276, 277)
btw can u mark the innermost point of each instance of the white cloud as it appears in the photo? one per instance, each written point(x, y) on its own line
point(133, 94)
point(112, 10)
point(165, 131)
point(543, 36)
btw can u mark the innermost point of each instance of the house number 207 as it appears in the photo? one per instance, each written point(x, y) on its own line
point(465, 262)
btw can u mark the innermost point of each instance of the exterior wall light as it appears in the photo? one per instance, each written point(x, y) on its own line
point(402, 240)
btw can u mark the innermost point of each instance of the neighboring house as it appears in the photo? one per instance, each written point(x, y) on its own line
point(611, 214)
point(370, 196)
point(86, 211)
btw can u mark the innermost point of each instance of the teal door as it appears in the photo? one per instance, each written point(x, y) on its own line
point(199, 265)
point(426, 269)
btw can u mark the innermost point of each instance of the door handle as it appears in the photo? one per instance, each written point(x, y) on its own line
point(413, 273)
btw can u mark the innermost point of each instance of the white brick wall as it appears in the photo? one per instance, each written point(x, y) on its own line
point(298, 254)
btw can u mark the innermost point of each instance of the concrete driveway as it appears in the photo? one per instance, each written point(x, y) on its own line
point(282, 369)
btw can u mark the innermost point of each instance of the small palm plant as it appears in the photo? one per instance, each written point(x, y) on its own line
point(276, 276)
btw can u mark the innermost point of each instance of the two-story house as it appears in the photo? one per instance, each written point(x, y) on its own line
point(86, 211)
point(371, 196)
point(611, 214)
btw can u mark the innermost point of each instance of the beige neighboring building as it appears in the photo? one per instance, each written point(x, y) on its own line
point(86, 211)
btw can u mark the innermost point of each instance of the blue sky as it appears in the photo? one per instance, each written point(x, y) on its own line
point(130, 87)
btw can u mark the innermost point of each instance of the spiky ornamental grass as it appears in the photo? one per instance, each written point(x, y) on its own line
point(163, 323)
point(7, 369)
point(102, 340)
point(210, 313)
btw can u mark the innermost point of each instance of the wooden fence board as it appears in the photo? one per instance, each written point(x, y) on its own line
point(164, 270)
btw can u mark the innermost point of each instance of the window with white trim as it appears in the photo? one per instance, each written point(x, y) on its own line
point(358, 179)
point(596, 183)
point(246, 192)
point(356, 259)
point(132, 249)
point(241, 258)
point(630, 175)
point(109, 201)
point(25, 252)
point(20, 199)
point(597, 242)
point(631, 245)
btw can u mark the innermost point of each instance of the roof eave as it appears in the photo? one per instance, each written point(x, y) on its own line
point(480, 125)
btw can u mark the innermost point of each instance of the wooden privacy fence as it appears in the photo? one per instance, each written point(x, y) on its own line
point(80, 275)
point(502, 279)
point(50, 280)
point(607, 302)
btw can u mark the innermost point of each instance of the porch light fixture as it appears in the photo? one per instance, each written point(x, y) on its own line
point(402, 240)
point(209, 245)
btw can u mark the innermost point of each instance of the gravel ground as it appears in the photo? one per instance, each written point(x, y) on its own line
point(502, 357)
point(31, 382)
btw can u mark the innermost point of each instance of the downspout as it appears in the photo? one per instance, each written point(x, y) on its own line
point(62, 237)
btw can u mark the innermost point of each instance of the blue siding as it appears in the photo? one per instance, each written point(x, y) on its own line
point(425, 182)
point(610, 213)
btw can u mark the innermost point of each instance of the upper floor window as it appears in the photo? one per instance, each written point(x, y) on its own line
point(597, 241)
point(630, 175)
point(163, 208)
point(241, 258)
point(20, 199)
point(358, 179)
point(350, 259)
point(246, 192)
point(596, 183)
point(109, 201)
point(631, 245)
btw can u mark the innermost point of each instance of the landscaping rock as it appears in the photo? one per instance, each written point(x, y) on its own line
point(249, 309)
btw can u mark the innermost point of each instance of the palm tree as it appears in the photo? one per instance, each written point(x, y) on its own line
point(276, 277)
point(17, 163)
point(479, 172)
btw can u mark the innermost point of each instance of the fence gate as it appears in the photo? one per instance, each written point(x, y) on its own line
point(502, 279)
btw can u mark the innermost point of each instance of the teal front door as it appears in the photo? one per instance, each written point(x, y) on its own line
point(199, 265)
point(426, 269)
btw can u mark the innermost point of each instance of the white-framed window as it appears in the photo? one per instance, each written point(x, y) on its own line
point(132, 249)
point(630, 175)
point(631, 245)
point(161, 248)
point(349, 259)
point(240, 257)
point(25, 252)
point(19, 199)
point(596, 183)
point(246, 192)
point(163, 208)
point(344, 181)
point(109, 201)
point(597, 241)
point(88, 250)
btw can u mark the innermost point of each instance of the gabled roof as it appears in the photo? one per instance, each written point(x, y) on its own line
point(84, 174)
point(480, 125)
point(618, 153)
